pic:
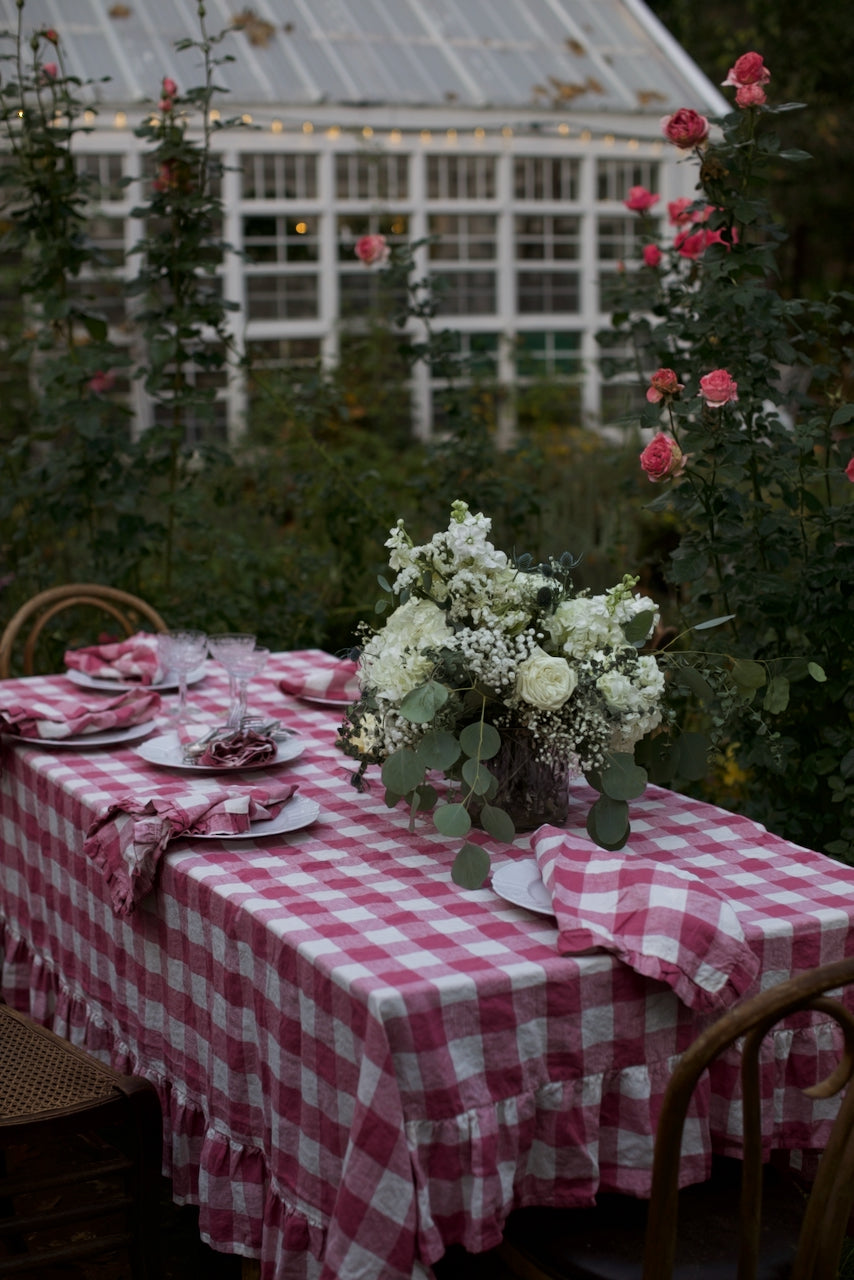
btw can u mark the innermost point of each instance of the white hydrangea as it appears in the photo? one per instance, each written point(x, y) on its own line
point(394, 660)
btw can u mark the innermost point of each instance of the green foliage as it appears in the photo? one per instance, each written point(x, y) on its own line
point(763, 506)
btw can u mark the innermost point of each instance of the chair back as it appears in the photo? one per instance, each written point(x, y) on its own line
point(128, 610)
point(830, 1200)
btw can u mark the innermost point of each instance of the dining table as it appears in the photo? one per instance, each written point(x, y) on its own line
point(361, 1063)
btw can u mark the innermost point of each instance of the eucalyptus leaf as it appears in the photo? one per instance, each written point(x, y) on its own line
point(402, 772)
point(452, 819)
point(608, 823)
point(622, 779)
point(497, 823)
point(426, 796)
point(696, 683)
point(438, 750)
point(713, 622)
point(421, 704)
point(471, 867)
point(776, 695)
point(481, 740)
point(748, 675)
point(637, 629)
point(817, 672)
point(477, 776)
point(392, 799)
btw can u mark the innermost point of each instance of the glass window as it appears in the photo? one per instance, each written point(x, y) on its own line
point(479, 351)
point(367, 177)
point(461, 177)
point(545, 178)
point(466, 237)
point(547, 291)
point(270, 176)
point(621, 400)
point(281, 297)
point(106, 173)
point(543, 353)
point(108, 239)
point(280, 238)
point(614, 178)
point(619, 239)
point(547, 238)
point(283, 353)
point(465, 293)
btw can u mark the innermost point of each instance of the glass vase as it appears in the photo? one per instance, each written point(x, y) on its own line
point(533, 789)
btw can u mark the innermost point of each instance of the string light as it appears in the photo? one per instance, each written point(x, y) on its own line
point(563, 128)
point(609, 139)
point(395, 137)
point(88, 117)
point(307, 126)
point(214, 115)
point(507, 132)
point(426, 136)
point(246, 118)
point(333, 132)
point(276, 126)
point(367, 132)
point(451, 137)
point(480, 133)
point(120, 119)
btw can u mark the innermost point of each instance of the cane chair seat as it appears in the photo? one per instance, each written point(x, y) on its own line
point(81, 1149)
point(29, 623)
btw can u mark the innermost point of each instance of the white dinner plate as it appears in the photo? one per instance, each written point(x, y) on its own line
point(522, 884)
point(103, 738)
point(86, 681)
point(293, 816)
point(167, 751)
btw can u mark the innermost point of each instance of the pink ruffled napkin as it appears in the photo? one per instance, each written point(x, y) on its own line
point(657, 917)
point(67, 717)
point(336, 683)
point(133, 660)
point(239, 750)
point(130, 871)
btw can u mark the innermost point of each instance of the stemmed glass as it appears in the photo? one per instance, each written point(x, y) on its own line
point(226, 648)
point(180, 652)
point(249, 664)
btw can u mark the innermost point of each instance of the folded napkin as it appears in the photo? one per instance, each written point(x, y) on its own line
point(133, 660)
point(336, 683)
point(67, 717)
point(239, 750)
point(130, 871)
point(659, 918)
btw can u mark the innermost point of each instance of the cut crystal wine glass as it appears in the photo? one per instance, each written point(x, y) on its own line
point(181, 652)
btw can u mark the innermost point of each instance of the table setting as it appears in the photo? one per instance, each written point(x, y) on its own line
point(375, 1062)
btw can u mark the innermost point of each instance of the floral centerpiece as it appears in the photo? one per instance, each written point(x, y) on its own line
point(498, 675)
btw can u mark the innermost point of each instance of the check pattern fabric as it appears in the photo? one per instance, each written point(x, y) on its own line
point(334, 680)
point(658, 917)
point(361, 1064)
point(130, 866)
point(134, 659)
point(62, 713)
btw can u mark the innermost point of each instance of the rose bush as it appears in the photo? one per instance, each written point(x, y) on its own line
point(755, 459)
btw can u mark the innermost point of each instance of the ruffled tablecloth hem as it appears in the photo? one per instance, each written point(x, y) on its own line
point(202, 1163)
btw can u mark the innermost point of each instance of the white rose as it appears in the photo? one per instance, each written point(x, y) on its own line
point(545, 682)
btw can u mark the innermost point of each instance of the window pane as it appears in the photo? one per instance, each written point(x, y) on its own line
point(547, 291)
point(545, 178)
point(280, 238)
point(281, 297)
point(279, 177)
point(615, 177)
point(465, 293)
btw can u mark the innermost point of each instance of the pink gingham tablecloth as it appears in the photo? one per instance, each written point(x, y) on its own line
point(361, 1064)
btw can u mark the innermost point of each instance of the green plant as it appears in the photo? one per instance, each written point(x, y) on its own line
point(756, 465)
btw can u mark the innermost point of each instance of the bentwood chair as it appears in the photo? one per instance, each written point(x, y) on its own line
point(749, 1221)
point(30, 621)
point(81, 1150)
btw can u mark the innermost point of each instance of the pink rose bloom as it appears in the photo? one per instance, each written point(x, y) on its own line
point(748, 69)
point(101, 382)
point(849, 471)
point(727, 236)
point(750, 95)
point(169, 88)
point(640, 200)
point(677, 211)
point(663, 383)
point(690, 244)
point(718, 388)
point(373, 250)
point(685, 128)
point(51, 35)
point(662, 457)
point(652, 255)
point(51, 70)
point(165, 105)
